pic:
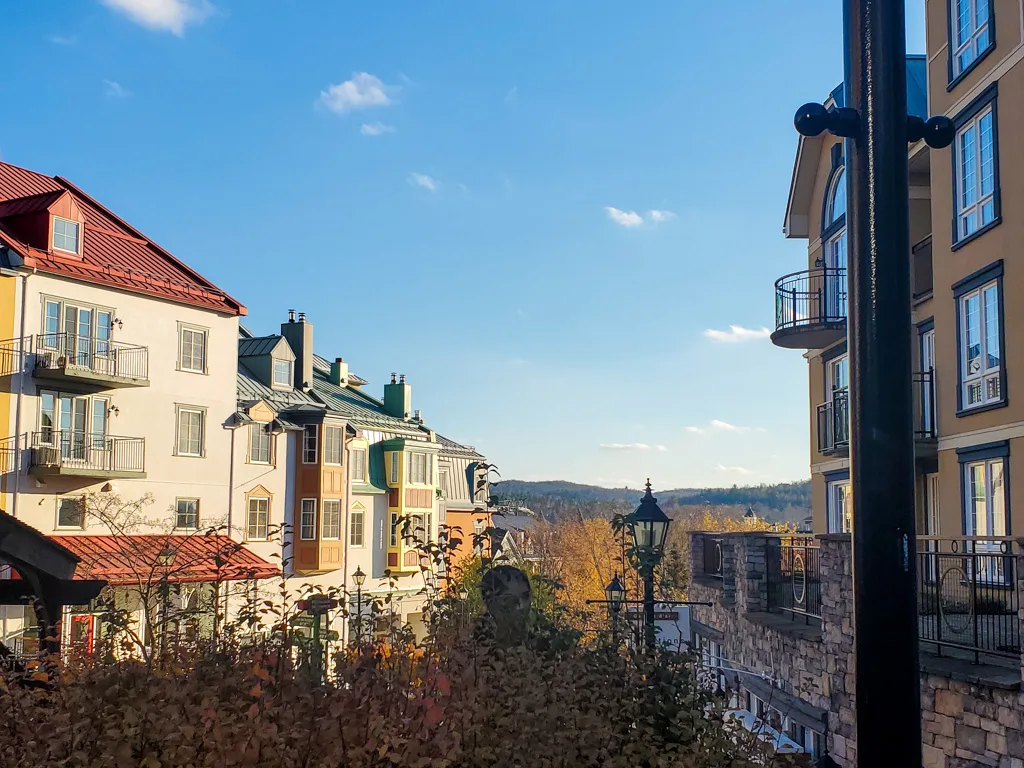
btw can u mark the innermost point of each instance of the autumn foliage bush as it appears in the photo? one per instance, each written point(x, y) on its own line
point(476, 702)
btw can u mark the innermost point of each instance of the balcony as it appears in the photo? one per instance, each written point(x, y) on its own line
point(810, 309)
point(81, 454)
point(109, 364)
point(793, 565)
point(968, 599)
point(834, 424)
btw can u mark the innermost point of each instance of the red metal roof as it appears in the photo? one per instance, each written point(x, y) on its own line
point(114, 253)
point(123, 560)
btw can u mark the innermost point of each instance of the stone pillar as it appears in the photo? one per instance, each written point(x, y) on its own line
point(731, 565)
point(756, 576)
point(837, 638)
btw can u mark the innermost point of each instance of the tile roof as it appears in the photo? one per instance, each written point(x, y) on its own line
point(131, 559)
point(113, 252)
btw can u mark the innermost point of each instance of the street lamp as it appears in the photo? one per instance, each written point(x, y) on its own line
point(359, 578)
point(649, 528)
point(616, 594)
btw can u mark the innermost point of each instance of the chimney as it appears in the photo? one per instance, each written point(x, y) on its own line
point(299, 335)
point(398, 398)
point(339, 372)
point(417, 416)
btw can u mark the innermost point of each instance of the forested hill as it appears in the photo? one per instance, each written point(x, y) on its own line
point(555, 499)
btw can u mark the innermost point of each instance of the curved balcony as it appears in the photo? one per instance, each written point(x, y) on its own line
point(810, 308)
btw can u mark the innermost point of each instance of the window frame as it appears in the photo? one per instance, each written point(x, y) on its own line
point(393, 538)
point(311, 437)
point(248, 519)
point(184, 328)
point(179, 409)
point(178, 514)
point(833, 481)
point(413, 473)
point(972, 113)
point(358, 512)
point(324, 519)
point(956, 77)
point(312, 526)
point(69, 497)
point(78, 235)
point(987, 454)
point(976, 283)
point(339, 437)
point(395, 467)
point(260, 428)
point(289, 372)
point(357, 463)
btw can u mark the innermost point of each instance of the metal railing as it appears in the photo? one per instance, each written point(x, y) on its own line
point(87, 451)
point(713, 556)
point(967, 596)
point(13, 353)
point(811, 297)
point(794, 576)
point(924, 404)
point(834, 422)
point(100, 356)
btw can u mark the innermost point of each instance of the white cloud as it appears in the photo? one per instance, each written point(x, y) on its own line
point(624, 218)
point(163, 15)
point(375, 129)
point(62, 39)
point(634, 219)
point(631, 447)
point(733, 470)
point(361, 92)
point(422, 180)
point(722, 426)
point(737, 333)
point(695, 430)
point(115, 90)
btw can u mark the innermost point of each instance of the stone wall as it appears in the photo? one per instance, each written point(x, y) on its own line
point(970, 718)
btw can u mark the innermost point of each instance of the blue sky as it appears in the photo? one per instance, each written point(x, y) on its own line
point(536, 210)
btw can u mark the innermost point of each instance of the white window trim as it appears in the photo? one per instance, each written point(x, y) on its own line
point(78, 239)
point(394, 468)
point(969, 517)
point(182, 327)
point(178, 411)
point(289, 378)
point(302, 514)
point(259, 427)
point(984, 373)
point(248, 519)
point(393, 536)
point(353, 464)
point(834, 522)
point(323, 519)
point(341, 444)
point(972, 38)
point(361, 511)
point(980, 200)
point(315, 441)
point(56, 514)
point(178, 501)
point(427, 468)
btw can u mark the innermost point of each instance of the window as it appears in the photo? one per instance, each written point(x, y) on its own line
point(976, 205)
point(190, 431)
point(394, 468)
point(332, 445)
point(418, 468)
point(980, 347)
point(838, 377)
point(71, 512)
point(331, 519)
point(82, 331)
point(307, 520)
point(356, 526)
point(66, 235)
point(259, 516)
point(259, 443)
point(358, 459)
point(970, 31)
point(834, 238)
point(986, 498)
point(283, 373)
point(840, 507)
point(191, 349)
point(309, 443)
point(186, 513)
point(836, 210)
point(393, 540)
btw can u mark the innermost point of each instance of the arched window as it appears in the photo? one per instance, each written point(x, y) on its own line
point(834, 247)
point(836, 208)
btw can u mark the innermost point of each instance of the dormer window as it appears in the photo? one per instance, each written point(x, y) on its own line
point(67, 235)
point(282, 373)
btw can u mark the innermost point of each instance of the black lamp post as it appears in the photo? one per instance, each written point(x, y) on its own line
point(649, 529)
point(616, 594)
point(359, 578)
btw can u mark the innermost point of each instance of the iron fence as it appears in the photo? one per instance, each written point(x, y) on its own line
point(811, 297)
point(968, 598)
point(13, 353)
point(834, 422)
point(794, 576)
point(87, 452)
point(713, 556)
point(97, 355)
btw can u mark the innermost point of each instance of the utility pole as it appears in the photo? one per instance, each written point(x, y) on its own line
point(875, 123)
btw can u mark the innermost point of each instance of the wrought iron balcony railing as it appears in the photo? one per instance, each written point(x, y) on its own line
point(924, 405)
point(86, 454)
point(810, 308)
point(794, 576)
point(70, 354)
point(834, 423)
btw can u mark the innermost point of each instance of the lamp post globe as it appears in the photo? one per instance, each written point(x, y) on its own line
point(616, 594)
point(649, 528)
point(359, 577)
